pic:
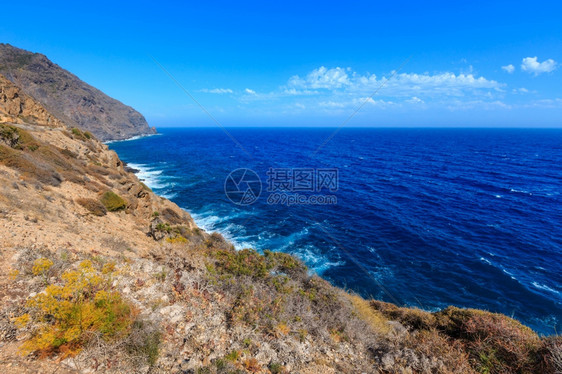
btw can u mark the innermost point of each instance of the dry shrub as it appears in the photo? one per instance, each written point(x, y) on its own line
point(252, 365)
point(30, 167)
point(410, 317)
point(74, 177)
point(98, 170)
point(436, 353)
point(144, 341)
point(29, 258)
point(68, 315)
point(52, 156)
point(495, 342)
point(68, 153)
point(553, 347)
point(93, 206)
point(116, 244)
point(171, 216)
point(272, 290)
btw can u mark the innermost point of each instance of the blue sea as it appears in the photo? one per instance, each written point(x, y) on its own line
point(424, 217)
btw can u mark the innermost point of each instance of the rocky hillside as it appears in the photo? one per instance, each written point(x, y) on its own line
point(99, 274)
point(71, 100)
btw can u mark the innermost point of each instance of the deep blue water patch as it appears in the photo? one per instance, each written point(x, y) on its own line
point(424, 217)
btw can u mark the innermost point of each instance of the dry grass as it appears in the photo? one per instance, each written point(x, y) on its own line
point(30, 168)
point(375, 319)
point(116, 244)
point(554, 349)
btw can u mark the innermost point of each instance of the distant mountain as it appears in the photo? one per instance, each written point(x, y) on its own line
point(71, 100)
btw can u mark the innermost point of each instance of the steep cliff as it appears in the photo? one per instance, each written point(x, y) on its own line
point(71, 100)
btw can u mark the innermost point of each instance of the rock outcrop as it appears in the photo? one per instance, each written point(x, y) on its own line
point(67, 97)
point(18, 107)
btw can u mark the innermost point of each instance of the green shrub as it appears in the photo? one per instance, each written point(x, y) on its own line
point(9, 135)
point(178, 239)
point(232, 356)
point(276, 368)
point(245, 262)
point(17, 138)
point(77, 133)
point(284, 262)
point(144, 341)
point(68, 153)
point(113, 202)
point(164, 227)
point(250, 262)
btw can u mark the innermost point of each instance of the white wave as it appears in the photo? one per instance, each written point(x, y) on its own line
point(316, 261)
point(151, 176)
point(520, 191)
point(508, 273)
point(486, 260)
point(131, 138)
point(545, 288)
point(380, 275)
point(236, 234)
point(290, 240)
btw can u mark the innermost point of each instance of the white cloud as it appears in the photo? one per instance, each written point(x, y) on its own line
point(459, 105)
point(322, 78)
point(344, 80)
point(218, 91)
point(545, 103)
point(339, 90)
point(415, 100)
point(509, 68)
point(355, 103)
point(533, 66)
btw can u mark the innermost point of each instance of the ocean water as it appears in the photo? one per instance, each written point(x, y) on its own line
point(424, 217)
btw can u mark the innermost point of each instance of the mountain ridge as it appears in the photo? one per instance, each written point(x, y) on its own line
point(70, 99)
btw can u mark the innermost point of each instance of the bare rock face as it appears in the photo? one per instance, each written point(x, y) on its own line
point(71, 100)
point(17, 107)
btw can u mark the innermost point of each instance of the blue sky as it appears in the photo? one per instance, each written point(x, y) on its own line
point(477, 63)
